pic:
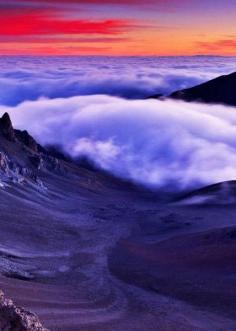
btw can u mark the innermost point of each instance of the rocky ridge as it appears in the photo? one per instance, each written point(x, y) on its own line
point(13, 318)
point(21, 157)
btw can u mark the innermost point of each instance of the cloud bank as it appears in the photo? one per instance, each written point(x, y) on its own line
point(169, 144)
point(29, 78)
point(160, 144)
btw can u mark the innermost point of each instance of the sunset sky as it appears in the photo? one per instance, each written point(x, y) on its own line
point(117, 27)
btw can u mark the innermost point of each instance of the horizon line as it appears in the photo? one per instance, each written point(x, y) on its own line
point(106, 55)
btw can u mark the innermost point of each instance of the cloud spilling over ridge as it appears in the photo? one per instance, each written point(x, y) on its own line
point(168, 144)
point(125, 77)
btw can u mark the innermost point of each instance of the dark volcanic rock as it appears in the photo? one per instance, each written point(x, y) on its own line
point(6, 127)
point(37, 161)
point(27, 140)
point(14, 318)
point(22, 159)
point(219, 90)
point(57, 152)
point(13, 135)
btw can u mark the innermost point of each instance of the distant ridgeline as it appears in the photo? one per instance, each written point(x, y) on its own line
point(221, 90)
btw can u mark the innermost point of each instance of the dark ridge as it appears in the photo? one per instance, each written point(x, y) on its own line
point(57, 152)
point(221, 90)
point(87, 163)
point(6, 127)
point(220, 193)
point(23, 137)
point(27, 140)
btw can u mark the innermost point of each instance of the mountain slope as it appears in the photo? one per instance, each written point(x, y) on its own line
point(75, 241)
point(219, 90)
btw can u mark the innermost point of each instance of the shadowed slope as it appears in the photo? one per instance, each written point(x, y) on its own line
point(219, 90)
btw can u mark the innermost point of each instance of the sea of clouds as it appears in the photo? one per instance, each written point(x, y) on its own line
point(29, 78)
point(160, 144)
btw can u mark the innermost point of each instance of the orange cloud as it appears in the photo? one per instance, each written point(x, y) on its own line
point(218, 44)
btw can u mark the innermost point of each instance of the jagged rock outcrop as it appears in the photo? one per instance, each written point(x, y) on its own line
point(13, 318)
point(21, 157)
point(6, 127)
point(11, 171)
point(220, 90)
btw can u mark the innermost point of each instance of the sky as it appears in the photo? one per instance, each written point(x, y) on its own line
point(118, 27)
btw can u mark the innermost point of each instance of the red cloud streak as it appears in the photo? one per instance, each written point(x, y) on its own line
point(29, 23)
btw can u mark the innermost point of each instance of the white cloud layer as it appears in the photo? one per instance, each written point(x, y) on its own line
point(162, 144)
point(28, 78)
